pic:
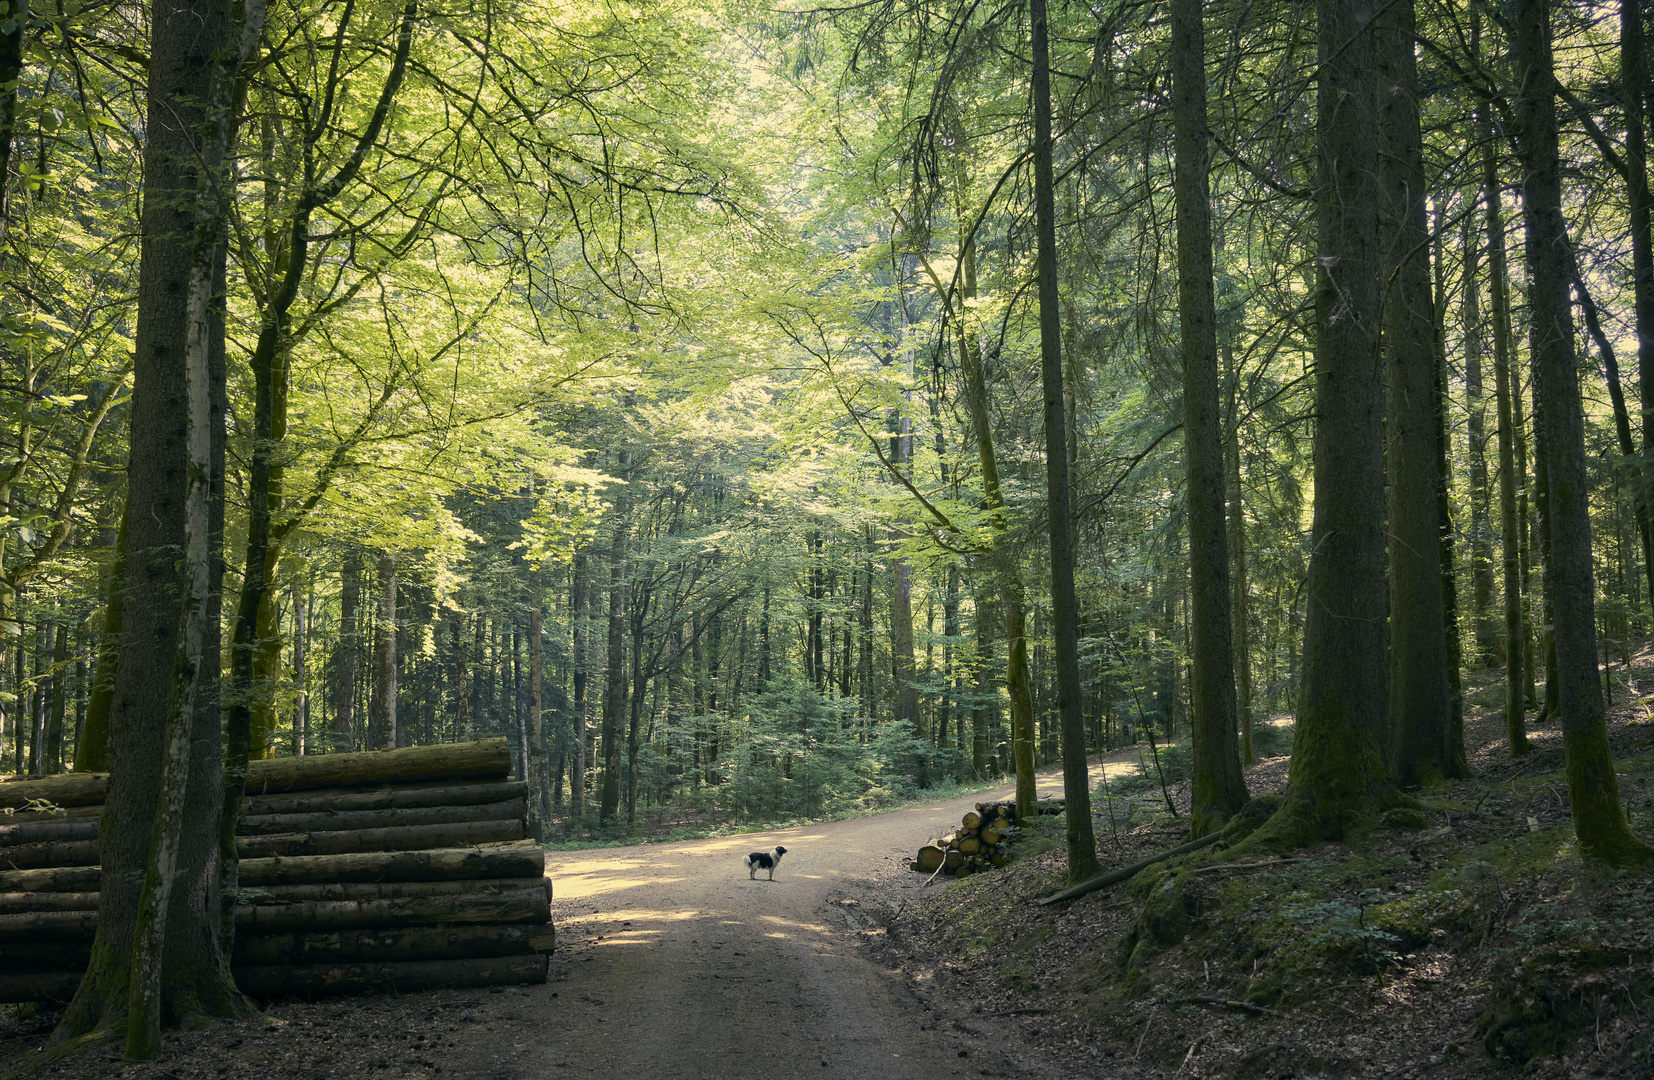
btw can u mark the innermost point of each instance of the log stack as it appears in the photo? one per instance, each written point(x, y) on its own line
point(390, 871)
point(979, 843)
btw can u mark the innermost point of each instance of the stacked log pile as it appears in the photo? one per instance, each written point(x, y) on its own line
point(980, 843)
point(396, 870)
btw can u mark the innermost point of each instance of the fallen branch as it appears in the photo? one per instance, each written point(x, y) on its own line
point(1225, 1003)
point(1114, 877)
point(1220, 867)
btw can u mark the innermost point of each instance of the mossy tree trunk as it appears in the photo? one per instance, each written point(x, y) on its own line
point(1599, 820)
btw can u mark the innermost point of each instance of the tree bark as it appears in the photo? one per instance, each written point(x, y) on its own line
point(1593, 790)
point(524, 859)
point(383, 720)
point(1338, 775)
point(1516, 654)
point(344, 702)
point(1065, 614)
point(614, 699)
point(397, 978)
point(1420, 733)
point(1218, 789)
point(387, 944)
point(539, 800)
point(157, 954)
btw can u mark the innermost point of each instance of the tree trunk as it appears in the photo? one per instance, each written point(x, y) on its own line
point(1007, 574)
point(395, 838)
point(1420, 733)
point(344, 702)
point(1338, 775)
point(157, 952)
point(1633, 81)
point(1593, 790)
point(614, 699)
point(1218, 788)
point(539, 801)
point(386, 944)
point(1444, 502)
point(1516, 680)
point(92, 748)
point(581, 602)
point(391, 978)
point(383, 720)
point(1065, 614)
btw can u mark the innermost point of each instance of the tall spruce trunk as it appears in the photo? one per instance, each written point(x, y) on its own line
point(1013, 601)
point(1065, 613)
point(1593, 790)
point(1421, 733)
point(1338, 775)
point(1515, 637)
point(1632, 83)
point(1218, 788)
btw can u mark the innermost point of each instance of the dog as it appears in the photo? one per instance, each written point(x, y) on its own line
point(763, 860)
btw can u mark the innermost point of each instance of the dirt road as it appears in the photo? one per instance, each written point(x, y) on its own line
point(671, 963)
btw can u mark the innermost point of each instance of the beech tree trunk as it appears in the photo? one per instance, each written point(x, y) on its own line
point(384, 657)
point(157, 955)
point(344, 701)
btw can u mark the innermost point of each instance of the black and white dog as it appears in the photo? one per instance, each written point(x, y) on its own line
point(763, 860)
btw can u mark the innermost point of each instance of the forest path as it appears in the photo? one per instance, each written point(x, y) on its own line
point(670, 963)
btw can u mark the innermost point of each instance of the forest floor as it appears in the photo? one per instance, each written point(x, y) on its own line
point(1472, 943)
point(1467, 942)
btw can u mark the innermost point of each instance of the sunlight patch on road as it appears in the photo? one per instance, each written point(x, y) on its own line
point(794, 923)
point(573, 888)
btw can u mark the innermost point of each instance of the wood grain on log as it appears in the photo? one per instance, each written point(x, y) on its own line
point(523, 859)
point(385, 798)
point(13, 902)
point(48, 925)
point(51, 854)
point(390, 890)
point(408, 838)
point(65, 789)
point(523, 905)
point(39, 830)
point(51, 879)
point(385, 944)
point(485, 759)
point(929, 858)
point(267, 981)
point(325, 821)
point(971, 819)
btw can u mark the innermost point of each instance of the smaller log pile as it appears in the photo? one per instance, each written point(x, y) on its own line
point(384, 871)
point(981, 842)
